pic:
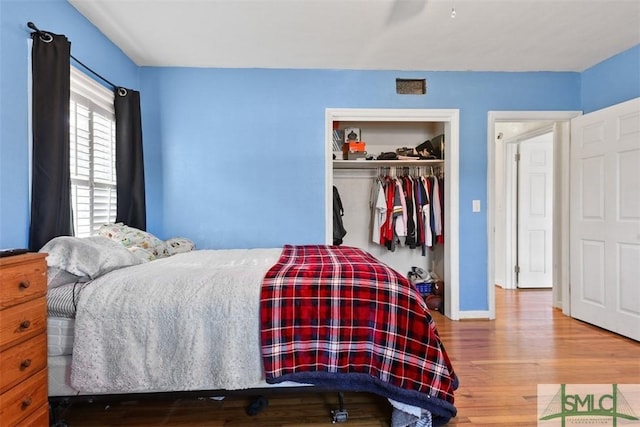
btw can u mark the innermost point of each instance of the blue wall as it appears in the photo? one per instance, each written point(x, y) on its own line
point(88, 45)
point(612, 81)
point(235, 158)
point(241, 151)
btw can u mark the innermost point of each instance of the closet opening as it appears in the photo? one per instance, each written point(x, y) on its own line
point(362, 180)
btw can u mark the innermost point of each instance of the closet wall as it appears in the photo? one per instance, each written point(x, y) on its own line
point(355, 180)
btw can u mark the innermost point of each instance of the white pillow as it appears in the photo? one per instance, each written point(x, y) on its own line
point(87, 257)
point(58, 277)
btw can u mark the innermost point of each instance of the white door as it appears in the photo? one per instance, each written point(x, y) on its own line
point(605, 218)
point(535, 212)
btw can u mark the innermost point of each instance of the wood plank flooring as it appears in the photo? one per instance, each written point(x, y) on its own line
point(499, 363)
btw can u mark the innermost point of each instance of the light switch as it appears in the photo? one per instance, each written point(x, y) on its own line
point(476, 206)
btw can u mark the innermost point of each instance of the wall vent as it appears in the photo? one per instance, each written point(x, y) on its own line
point(411, 86)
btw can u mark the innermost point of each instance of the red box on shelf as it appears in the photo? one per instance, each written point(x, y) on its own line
point(354, 147)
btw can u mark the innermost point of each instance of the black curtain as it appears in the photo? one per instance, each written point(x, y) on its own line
point(131, 207)
point(51, 183)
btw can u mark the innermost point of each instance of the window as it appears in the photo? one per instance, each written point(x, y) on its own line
point(92, 155)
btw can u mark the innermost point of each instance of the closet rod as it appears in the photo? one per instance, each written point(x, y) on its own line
point(47, 37)
point(412, 170)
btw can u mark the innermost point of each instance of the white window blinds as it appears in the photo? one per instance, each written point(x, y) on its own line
point(92, 155)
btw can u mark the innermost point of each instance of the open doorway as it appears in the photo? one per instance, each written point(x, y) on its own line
point(524, 204)
point(506, 130)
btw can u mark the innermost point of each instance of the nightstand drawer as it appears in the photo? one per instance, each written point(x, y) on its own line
point(39, 418)
point(23, 360)
point(23, 281)
point(24, 399)
point(22, 322)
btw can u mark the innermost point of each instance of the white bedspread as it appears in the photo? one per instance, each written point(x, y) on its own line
point(187, 322)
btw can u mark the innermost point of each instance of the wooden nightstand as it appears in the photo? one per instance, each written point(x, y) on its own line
point(23, 340)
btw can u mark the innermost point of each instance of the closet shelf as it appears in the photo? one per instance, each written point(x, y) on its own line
point(367, 164)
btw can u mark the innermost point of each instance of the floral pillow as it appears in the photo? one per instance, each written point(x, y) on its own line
point(131, 238)
point(178, 245)
point(143, 254)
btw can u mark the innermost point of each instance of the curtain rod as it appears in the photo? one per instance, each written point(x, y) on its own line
point(48, 37)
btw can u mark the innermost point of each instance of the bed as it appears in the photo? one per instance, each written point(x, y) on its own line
point(241, 319)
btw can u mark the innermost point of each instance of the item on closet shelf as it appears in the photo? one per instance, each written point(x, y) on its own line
point(338, 139)
point(438, 146)
point(352, 135)
point(354, 149)
point(388, 156)
point(407, 152)
point(432, 149)
point(425, 149)
point(355, 156)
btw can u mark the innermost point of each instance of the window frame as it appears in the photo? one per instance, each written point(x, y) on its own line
point(93, 105)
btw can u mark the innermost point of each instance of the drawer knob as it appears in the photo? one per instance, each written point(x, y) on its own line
point(25, 403)
point(24, 284)
point(25, 324)
point(25, 364)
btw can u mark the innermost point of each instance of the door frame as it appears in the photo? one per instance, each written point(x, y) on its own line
point(561, 199)
point(451, 120)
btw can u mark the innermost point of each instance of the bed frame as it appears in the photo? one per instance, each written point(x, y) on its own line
point(59, 404)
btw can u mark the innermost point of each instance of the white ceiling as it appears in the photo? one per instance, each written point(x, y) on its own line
point(485, 35)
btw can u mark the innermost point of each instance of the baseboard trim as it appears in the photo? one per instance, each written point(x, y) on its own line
point(474, 314)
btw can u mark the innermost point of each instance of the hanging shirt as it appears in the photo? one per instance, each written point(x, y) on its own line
point(441, 186)
point(399, 213)
point(435, 206)
point(427, 214)
point(386, 231)
point(411, 214)
point(379, 211)
point(419, 196)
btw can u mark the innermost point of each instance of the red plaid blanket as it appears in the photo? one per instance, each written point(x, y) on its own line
point(336, 316)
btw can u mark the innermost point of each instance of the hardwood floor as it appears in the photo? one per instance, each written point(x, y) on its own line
point(499, 363)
